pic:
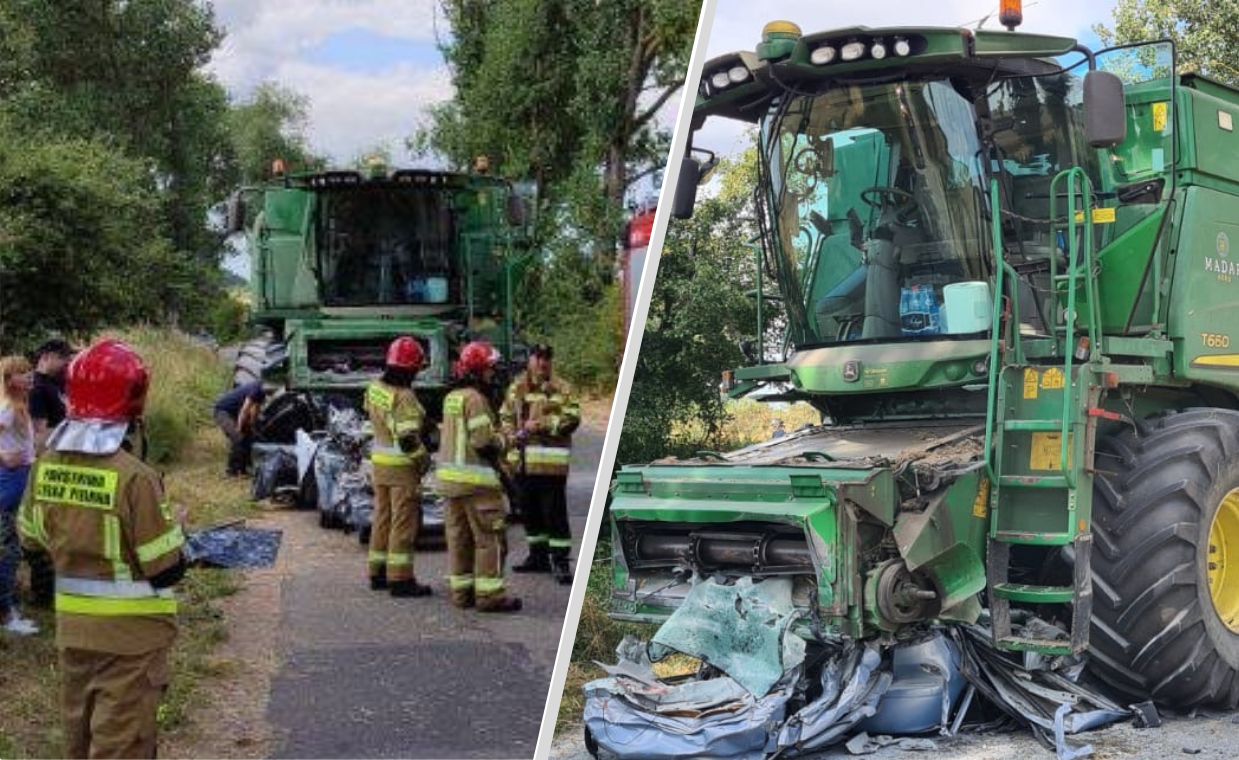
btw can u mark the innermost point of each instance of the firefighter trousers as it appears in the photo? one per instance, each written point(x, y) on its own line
point(110, 702)
point(393, 531)
point(476, 544)
point(546, 514)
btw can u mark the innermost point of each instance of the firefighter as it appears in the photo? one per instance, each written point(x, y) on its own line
point(539, 415)
point(400, 459)
point(467, 466)
point(101, 514)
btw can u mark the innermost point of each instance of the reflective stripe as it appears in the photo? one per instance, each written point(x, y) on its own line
point(488, 586)
point(32, 527)
point(111, 548)
point(561, 543)
point(458, 429)
point(399, 559)
point(378, 557)
point(547, 455)
point(390, 456)
point(537, 539)
point(96, 587)
point(460, 581)
point(404, 428)
point(379, 396)
point(169, 542)
point(478, 422)
point(469, 474)
point(535, 397)
point(107, 607)
point(87, 487)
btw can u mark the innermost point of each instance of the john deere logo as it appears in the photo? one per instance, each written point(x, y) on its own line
point(851, 371)
point(1221, 266)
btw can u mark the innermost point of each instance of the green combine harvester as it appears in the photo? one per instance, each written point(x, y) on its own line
point(342, 262)
point(1004, 266)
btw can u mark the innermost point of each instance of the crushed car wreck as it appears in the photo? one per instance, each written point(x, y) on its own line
point(323, 463)
point(761, 690)
point(830, 584)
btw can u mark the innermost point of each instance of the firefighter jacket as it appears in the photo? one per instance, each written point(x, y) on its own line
point(394, 414)
point(466, 434)
point(553, 408)
point(105, 523)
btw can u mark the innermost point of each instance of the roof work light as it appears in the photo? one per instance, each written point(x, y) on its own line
point(1011, 13)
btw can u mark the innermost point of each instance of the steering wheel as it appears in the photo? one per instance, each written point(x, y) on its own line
point(880, 196)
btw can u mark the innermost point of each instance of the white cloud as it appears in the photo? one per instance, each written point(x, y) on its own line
point(262, 33)
point(738, 24)
point(350, 111)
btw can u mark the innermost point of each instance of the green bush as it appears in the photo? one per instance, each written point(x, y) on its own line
point(230, 318)
point(186, 378)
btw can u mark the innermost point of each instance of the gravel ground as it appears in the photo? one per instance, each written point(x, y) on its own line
point(1213, 735)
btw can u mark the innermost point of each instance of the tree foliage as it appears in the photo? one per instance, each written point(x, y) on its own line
point(699, 318)
point(79, 242)
point(548, 87)
point(1205, 32)
point(129, 74)
point(267, 125)
point(114, 145)
point(565, 92)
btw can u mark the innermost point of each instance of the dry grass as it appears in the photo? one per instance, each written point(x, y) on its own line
point(749, 421)
point(186, 380)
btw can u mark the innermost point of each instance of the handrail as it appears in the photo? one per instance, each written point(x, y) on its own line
point(995, 369)
point(1078, 184)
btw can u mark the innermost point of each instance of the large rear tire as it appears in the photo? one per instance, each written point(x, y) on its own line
point(257, 357)
point(1165, 612)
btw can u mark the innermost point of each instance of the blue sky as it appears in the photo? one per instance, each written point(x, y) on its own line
point(737, 26)
point(370, 68)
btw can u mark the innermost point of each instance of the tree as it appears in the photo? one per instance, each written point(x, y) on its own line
point(80, 242)
point(128, 73)
point(564, 91)
point(699, 318)
point(270, 124)
point(1205, 32)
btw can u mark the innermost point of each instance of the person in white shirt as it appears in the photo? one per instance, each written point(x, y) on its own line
point(16, 456)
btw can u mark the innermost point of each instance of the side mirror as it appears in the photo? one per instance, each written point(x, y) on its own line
point(1105, 110)
point(686, 189)
point(235, 213)
point(517, 216)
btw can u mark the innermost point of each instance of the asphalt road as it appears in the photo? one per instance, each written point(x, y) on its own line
point(360, 674)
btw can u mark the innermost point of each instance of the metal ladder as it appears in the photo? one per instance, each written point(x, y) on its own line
point(1040, 426)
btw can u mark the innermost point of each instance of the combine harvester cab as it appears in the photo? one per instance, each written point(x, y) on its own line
point(1003, 263)
point(343, 262)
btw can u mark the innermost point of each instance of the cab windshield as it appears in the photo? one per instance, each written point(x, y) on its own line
point(383, 245)
point(878, 201)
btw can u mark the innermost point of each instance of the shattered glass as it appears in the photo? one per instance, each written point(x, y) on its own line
point(739, 628)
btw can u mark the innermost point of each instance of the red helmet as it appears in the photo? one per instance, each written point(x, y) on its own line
point(405, 353)
point(475, 358)
point(107, 381)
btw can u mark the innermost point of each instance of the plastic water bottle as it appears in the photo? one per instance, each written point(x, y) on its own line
point(906, 308)
point(933, 312)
